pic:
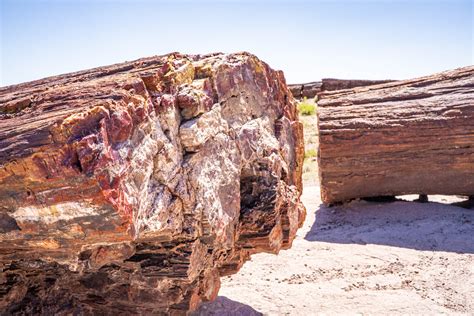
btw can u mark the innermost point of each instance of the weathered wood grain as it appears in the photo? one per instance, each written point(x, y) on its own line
point(405, 137)
point(130, 189)
point(311, 89)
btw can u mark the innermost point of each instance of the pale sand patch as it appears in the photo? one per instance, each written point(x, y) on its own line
point(362, 258)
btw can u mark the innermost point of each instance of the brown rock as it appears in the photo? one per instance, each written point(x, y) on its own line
point(305, 90)
point(312, 89)
point(406, 137)
point(132, 188)
point(329, 84)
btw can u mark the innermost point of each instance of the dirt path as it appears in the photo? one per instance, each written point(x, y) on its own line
point(364, 257)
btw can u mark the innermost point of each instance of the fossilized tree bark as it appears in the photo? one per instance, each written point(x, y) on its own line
point(305, 90)
point(406, 137)
point(311, 89)
point(131, 188)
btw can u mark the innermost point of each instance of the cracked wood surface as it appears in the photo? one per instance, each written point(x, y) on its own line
point(132, 188)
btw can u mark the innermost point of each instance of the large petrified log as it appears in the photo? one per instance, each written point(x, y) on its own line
point(305, 90)
point(406, 137)
point(132, 188)
point(330, 84)
point(311, 89)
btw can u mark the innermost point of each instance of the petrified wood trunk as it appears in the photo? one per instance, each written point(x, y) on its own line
point(132, 188)
point(311, 89)
point(329, 84)
point(308, 90)
point(406, 137)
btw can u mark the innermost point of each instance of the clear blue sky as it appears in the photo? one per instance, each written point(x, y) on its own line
point(309, 40)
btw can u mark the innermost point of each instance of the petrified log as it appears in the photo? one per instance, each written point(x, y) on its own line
point(406, 137)
point(312, 89)
point(132, 188)
point(295, 90)
point(308, 90)
point(330, 84)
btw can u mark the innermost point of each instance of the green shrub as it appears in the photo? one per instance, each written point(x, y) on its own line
point(310, 153)
point(306, 108)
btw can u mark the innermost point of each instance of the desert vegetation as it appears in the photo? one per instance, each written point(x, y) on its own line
point(308, 116)
point(307, 107)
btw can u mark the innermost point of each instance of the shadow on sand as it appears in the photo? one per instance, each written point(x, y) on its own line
point(223, 306)
point(420, 226)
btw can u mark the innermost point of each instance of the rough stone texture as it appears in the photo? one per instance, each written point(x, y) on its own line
point(132, 188)
point(340, 84)
point(406, 137)
point(312, 89)
point(305, 90)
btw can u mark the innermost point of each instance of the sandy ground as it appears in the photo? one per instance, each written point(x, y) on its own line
point(362, 258)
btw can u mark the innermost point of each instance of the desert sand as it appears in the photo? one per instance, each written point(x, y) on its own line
point(362, 258)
